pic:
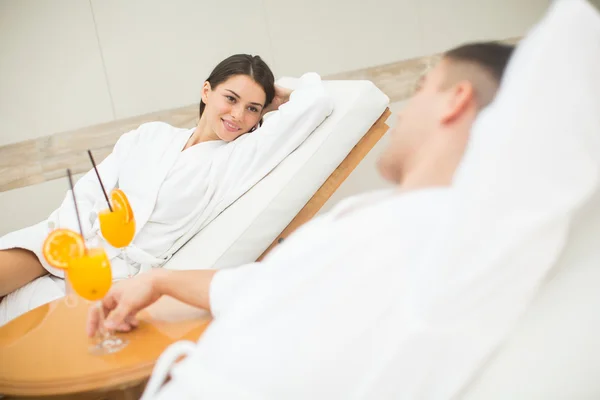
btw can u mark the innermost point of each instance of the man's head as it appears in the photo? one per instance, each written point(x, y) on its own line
point(433, 128)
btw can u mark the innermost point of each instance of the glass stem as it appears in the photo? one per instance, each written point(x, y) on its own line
point(106, 341)
point(70, 295)
point(101, 333)
point(126, 259)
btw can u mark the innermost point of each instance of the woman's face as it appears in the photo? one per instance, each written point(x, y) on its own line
point(233, 107)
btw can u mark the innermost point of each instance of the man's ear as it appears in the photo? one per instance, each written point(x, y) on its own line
point(460, 98)
point(205, 90)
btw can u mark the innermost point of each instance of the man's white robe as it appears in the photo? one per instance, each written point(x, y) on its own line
point(406, 296)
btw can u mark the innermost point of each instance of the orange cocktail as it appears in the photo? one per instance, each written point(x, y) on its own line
point(62, 245)
point(118, 226)
point(90, 275)
point(116, 229)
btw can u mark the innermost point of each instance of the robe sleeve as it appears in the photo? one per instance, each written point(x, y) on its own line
point(88, 190)
point(226, 283)
point(257, 153)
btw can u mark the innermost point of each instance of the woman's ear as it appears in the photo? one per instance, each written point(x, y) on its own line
point(206, 89)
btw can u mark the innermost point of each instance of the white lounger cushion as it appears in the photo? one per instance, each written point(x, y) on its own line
point(554, 354)
point(242, 232)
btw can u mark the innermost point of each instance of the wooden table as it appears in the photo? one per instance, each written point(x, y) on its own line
point(45, 352)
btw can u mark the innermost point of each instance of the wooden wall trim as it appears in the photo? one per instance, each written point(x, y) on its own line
point(39, 160)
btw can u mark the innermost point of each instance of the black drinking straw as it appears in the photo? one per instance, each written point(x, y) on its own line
point(75, 201)
point(100, 180)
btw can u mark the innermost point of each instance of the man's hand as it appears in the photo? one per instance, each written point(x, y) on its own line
point(122, 303)
point(127, 298)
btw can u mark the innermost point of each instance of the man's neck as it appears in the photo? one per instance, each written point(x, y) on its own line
point(435, 169)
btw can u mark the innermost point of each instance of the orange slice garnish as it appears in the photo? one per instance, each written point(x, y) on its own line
point(61, 246)
point(121, 204)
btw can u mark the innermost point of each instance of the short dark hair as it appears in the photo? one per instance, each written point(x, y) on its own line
point(492, 56)
point(243, 64)
point(489, 57)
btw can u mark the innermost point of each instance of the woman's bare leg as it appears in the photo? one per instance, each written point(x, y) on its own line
point(17, 268)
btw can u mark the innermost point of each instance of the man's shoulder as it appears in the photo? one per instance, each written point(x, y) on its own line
point(420, 202)
point(394, 204)
point(437, 198)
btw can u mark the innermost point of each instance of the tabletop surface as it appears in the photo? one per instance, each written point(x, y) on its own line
point(46, 350)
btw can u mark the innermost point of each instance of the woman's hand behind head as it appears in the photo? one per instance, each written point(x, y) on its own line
point(282, 96)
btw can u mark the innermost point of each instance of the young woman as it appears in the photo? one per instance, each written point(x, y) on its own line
point(177, 180)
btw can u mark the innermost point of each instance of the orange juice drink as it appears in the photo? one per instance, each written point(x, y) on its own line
point(90, 275)
point(116, 229)
point(118, 226)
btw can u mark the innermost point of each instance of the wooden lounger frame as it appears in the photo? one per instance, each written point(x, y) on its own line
point(334, 181)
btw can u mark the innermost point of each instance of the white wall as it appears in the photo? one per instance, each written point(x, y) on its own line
point(66, 64)
point(31, 204)
point(51, 73)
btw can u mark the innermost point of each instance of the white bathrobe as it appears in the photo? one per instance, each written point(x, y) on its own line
point(405, 296)
point(173, 193)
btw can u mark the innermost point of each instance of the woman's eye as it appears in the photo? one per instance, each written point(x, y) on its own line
point(253, 109)
point(231, 98)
